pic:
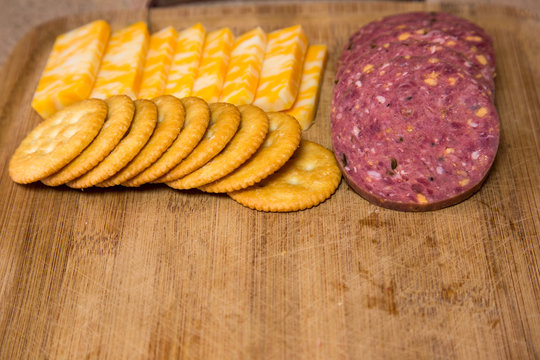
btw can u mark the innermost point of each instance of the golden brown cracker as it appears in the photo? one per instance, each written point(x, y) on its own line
point(281, 141)
point(307, 179)
point(224, 121)
point(57, 140)
point(120, 114)
point(250, 135)
point(140, 130)
point(197, 117)
point(169, 123)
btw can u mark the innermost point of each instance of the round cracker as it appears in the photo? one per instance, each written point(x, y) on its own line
point(281, 141)
point(224, 121)
point(141, 128)
point(169, 123)
point(57, 140)
point(120, 114)
point(250, 135)
point(307, 179)
point(197, 116)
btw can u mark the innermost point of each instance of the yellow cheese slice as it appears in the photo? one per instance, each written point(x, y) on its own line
point(214, 62)
point(71, 69)
point(282, 69)
point(157, 63)
point(123, 62)
point(186, 61)
point(305, 106)
point(244, 69)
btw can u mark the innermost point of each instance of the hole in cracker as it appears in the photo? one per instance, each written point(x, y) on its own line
point(69, 132)
point(37, 134)
point(58, 121)
point(54, 132)
point(32, 149)
point(48, 149)
point(75, 118)
point(209, 134)
point(309, 166)
point(292, 181)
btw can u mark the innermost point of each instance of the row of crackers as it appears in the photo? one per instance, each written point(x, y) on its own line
point(277, 71)
point(258, 158)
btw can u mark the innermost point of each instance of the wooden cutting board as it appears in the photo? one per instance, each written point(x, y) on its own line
point(153, 272)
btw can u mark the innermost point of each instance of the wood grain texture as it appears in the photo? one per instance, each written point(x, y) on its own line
point(158, 273)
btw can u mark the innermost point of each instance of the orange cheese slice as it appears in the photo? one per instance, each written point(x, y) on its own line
point(214, 62)
point(123, 62)
point(186, 61)
point(158, 62)
point(305, 106)
point(71, 69)
point(282, 69)
point(244, 69)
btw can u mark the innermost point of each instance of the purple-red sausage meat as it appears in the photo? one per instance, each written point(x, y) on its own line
point(380, 51)
point(444, 30)
point(413, 132)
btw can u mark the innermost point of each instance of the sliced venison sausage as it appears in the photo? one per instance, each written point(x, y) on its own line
point(413, 130)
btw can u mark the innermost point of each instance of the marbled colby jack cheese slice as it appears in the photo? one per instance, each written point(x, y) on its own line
point(244, 68)
point(71, 69)
point(186, 61)
point(305, 106)
point(214, 62)
point(282, 69)
point(123, 62)
point(158, 62)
